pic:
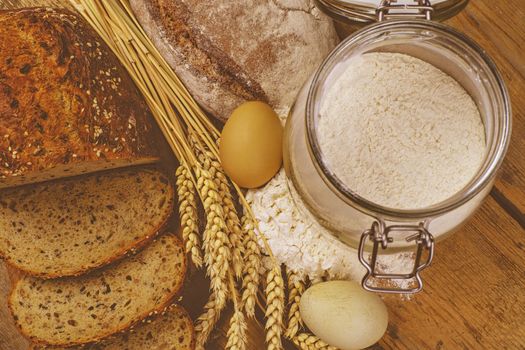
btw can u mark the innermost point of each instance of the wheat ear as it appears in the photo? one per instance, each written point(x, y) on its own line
point(210, 162)
point(232, 219)
point(296, 288)
point(215, 242)
point(206, 322)
point(252, 266)
point(230, 213)
point(274, 291)
point(188, 215)
point(237, 330)
point(274, 307)
point(306, 341)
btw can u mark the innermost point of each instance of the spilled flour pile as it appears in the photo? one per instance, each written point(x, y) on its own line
point(301, 243)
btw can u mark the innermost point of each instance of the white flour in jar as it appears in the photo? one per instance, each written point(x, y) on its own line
point(400, 132)
point(305, 246)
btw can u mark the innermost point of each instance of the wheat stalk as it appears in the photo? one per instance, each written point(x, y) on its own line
point(216, 244)
point(306, 341)
point(252, 263)
point(237, 330)
point(296, 288)
point(179, 116)
point(210, 163)
point(232, 219)
point(274, 290)
point(274, 308)
point(206, 322)
point(188, 215)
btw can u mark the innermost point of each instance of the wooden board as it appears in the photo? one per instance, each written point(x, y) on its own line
point(474, 297)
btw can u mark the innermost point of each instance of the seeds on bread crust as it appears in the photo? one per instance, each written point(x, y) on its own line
point(67, 105)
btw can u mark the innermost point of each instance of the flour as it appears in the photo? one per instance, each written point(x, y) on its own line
point(302, 244)
point(436, 156)
point(400, 132)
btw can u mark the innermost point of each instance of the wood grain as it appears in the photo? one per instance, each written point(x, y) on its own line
point(474, 294)
point(474, 297)
point(498, 26)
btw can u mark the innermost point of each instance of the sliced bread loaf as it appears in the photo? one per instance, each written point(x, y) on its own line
point(172, 330)
point(77, 310)
point(66, 227)
point(67, 105)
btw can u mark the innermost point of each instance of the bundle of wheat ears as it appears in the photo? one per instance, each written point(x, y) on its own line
point(228, 247)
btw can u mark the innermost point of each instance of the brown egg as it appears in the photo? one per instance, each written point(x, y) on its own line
point(251, 144)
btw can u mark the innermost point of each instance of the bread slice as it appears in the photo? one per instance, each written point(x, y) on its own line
point(67, 227)
point(67, 105)
point(172, 330)
point(85, 309)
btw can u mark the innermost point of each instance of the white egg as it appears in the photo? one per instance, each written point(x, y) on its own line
point(344, 315)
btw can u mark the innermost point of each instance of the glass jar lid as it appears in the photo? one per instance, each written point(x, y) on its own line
point(366, 11)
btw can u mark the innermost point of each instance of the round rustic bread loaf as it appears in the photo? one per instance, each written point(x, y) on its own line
point(231, 51)
point(67, 105)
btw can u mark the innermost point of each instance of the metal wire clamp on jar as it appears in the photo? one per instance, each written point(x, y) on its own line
point(368, 226)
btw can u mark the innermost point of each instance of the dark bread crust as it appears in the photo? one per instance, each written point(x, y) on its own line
point(204, 57)
point(239, 51)
point(168, 300)
point(65, 99)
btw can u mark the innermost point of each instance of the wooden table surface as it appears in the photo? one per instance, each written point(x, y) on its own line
point(474, 296)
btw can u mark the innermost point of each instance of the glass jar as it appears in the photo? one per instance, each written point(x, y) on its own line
point(368, 226)
point(350, 15)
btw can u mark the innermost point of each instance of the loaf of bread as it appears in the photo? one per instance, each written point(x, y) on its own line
point(67, 106)
point(77, 310)
point(233, 51)
point(171, 330)
point(65, 227)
